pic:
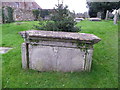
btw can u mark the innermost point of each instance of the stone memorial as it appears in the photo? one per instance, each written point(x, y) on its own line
point(57, 51)
point(99, 15)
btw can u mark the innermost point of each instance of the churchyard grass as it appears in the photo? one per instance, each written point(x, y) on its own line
point(104, 72)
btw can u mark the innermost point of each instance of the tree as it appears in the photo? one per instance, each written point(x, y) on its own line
point(36, 14)
point(44, 12)
point(102, 7)
point(62, 20)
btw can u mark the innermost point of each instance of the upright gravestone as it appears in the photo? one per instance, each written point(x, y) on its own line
point(107, 13)
point(115, 17)
point(110, 15)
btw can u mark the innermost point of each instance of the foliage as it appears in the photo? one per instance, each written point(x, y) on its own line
point(3, 16)
point(40, 13)
point(62, 20)
point(102, 7)
point(44, 12)
point(36, 14)
point(104, 73)
point(7, 15)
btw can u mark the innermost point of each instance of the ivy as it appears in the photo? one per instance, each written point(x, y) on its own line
point(7, 16)
point(36, 14)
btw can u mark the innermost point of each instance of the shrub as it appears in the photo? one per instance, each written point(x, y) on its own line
point(62, 20)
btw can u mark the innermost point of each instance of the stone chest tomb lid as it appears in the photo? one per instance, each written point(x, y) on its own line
point(80, 37)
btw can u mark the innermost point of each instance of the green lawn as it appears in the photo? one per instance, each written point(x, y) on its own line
point(104, 73)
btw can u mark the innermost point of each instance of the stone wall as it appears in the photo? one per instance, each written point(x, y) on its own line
point(21, 5)
point(23, 15)
point(22, 10)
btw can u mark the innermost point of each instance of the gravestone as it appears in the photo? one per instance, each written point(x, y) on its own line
point(4, 50)
point(57, 51)
point(99, 15)
point(107, 13)
point(115, 17)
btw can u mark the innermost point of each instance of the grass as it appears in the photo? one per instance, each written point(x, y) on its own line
point(104, 73)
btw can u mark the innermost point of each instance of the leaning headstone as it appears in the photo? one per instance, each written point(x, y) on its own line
point(107, 13)
point(57, 51)
point(115, 17)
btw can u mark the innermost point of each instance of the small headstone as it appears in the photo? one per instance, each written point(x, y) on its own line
point(79, 19)
point(115, 17)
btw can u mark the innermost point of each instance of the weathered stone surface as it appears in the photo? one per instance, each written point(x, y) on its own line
point(57, 51)
point(44, 58)
point(115, 17)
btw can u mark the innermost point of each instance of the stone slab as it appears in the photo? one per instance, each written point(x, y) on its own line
point(4, 50)
point(47, 58)
point(87, 38)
